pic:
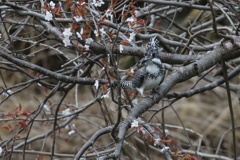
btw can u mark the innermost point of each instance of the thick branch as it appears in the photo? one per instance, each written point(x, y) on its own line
point(170, 58)
point(58, 76)
point(179, 75)
point(204, 88)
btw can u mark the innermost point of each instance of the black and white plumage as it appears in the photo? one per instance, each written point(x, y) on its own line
point(151, 75)
point(152, 50)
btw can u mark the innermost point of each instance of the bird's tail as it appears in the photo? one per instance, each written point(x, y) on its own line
point(127, 84)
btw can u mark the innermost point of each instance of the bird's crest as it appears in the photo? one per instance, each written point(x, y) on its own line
point(152, 50)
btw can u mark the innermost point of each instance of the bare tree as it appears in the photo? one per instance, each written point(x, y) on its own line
point(62, 61)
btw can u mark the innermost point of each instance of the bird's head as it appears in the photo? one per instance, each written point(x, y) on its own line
point(152, 50)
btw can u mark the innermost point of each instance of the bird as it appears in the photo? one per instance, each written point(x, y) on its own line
point(152, 72)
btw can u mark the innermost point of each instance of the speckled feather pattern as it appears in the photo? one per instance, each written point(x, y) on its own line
point(152, 48)
point(151, 75)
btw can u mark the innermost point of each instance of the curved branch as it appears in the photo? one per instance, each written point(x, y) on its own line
point(204, 88)
point(92, 140)
point(179, 75)
point(58, 76)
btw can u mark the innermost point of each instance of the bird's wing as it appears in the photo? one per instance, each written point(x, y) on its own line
point(138, 79)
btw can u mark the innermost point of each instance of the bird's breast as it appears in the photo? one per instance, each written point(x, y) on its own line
point(152, 82)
